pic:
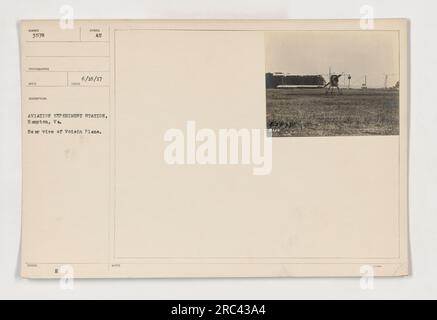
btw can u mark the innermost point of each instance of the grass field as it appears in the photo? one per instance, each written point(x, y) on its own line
point(309, 112)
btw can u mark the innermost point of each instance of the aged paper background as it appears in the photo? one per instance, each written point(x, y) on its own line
point(110, 207)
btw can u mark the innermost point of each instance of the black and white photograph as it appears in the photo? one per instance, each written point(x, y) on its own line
point(332, 83)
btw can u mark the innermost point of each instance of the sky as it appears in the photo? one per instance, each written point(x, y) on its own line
point(358, 53)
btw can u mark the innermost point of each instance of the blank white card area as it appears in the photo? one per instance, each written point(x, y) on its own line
point(217, 79)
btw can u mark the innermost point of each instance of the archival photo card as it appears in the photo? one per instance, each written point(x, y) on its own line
point(147, 154)
point(332, 83)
